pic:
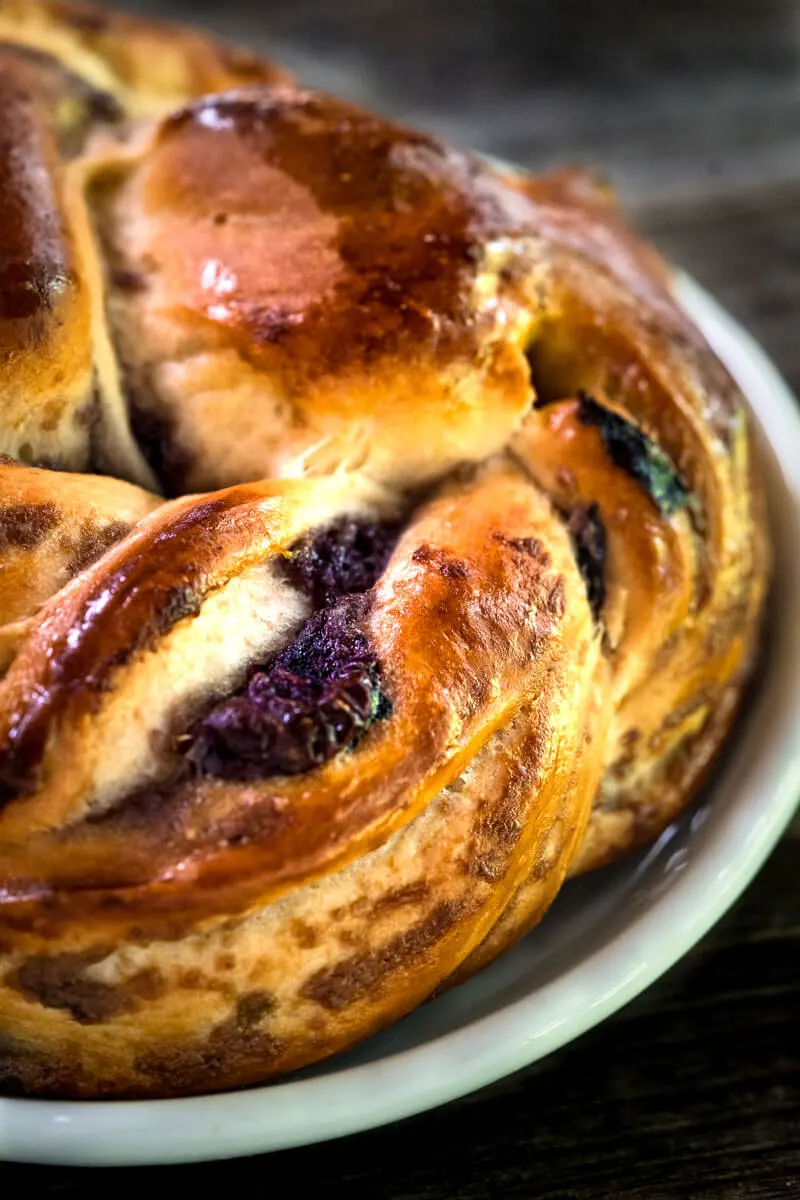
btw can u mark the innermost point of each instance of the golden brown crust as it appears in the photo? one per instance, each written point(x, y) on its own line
point(149, 67)
point(70, 74)
point(317, 320)
point(45, 337)
point(286, 264)
point(685, 588)
point(456, 667)
point(419, 834)
point(52, 527)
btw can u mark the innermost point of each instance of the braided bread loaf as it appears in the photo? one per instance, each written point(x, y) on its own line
point(380, 544)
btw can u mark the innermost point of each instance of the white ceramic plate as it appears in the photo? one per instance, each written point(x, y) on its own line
point(606, 938)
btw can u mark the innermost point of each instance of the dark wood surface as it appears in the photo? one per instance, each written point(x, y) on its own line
point(693, 108)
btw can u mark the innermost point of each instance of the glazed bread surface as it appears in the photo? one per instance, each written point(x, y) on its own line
point(380, 544)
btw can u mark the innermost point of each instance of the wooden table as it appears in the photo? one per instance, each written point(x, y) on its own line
point(693, 108)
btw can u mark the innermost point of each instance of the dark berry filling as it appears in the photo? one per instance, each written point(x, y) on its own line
point(315, 698)
point(321, 693)
point(588, 535)
point(347, 556)
point(636, 453)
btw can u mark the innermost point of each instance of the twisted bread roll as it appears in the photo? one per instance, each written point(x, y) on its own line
point(380, 544)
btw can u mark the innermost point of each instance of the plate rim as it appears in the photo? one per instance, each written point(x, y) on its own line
point(306, 1111)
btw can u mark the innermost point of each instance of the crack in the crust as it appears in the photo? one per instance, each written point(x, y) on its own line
point(347, 556)
point(314, 699)
point(587, 531)
point(589, 542)
point(321, 693)
point(637, 454)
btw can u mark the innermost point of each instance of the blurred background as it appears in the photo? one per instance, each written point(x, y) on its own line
point(692, 107)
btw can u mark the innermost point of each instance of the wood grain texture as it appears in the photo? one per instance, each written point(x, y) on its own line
point(693, 109)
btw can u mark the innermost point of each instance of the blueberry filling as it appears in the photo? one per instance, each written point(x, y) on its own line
point(636, 453)
point(588, 535)
point(321, 693)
